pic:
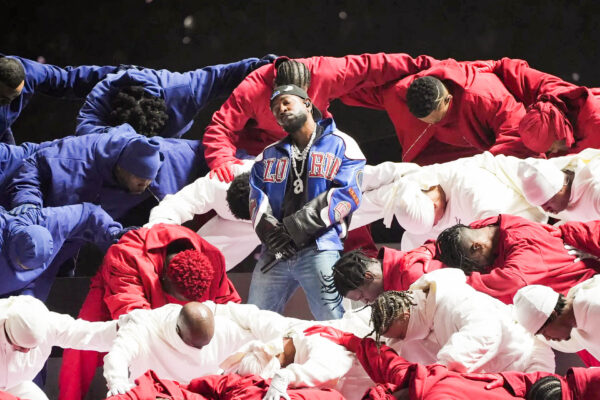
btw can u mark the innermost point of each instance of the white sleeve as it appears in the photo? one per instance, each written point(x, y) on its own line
point(476, 341)
point(82, 335)
point(325, 362)
point(195, 198)
point(126, 347)
point(264, 325)
point(375, 176)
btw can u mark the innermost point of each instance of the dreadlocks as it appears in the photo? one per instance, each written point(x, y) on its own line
point(144, 112)
point(348, 274)
point(448, 246)
point(290, 72)
point(546, 388)
point(387, 307)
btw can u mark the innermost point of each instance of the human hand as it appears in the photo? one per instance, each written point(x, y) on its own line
point(278, 388)
point(578, 254)
point(419, 255)
point(119, 388)
point(495, 380)
point(224, 172)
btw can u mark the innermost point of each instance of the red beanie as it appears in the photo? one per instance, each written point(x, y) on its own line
point(542, 125)
point(192, 273)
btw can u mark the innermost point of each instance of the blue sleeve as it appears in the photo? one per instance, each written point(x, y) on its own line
point(11, 158)
point(70, 82)
point(260, 209)
point(94, 114)
point(85, 221)
point(219, 80)
point(346, 196)
point(25, 186)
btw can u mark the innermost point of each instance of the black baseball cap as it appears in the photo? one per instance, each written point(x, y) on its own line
point(296, 91)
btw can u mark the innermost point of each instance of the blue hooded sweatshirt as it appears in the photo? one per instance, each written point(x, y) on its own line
point(75, 223)
point(80, 169)
point(184, 93)
point(69, 82)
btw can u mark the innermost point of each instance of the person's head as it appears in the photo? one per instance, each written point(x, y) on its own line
point(238, 196)
point(545, 185)
point(546, 388)
point(356, 277)
point(467, 248)
point(256, 358)
point(26, 324)
point(292, 108)
point(29, 247)
point(428, 99)
point(138, 165)
point(543, 311)
point(291, 72)
point(196, 324)
point(12, 80)
point(545, 129)
point(147, 114)
point(390, 314)
point(187, 274)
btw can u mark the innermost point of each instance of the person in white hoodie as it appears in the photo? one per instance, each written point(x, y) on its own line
point(569, 323)
point(28, 330)
point(443, 320)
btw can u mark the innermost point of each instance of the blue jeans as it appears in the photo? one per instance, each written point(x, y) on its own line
point(272, 290)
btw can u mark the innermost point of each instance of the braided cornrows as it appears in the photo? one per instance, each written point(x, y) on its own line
point(387, 307)
point(450, 252)
point(290, 72)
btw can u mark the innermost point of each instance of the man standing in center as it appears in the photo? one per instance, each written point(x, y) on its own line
point(303, 190)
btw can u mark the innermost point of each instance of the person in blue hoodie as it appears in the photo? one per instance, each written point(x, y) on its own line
point(303, 191)
point(12, 156)
point(35, 243)
point(117, 171)
point(20, 78)
point(159, 102)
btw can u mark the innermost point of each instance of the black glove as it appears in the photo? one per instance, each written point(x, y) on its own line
point(278, 240)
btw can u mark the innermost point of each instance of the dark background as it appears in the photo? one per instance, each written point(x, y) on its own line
point(559, 37)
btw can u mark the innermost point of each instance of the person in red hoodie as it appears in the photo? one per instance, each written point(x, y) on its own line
point(561, 117)
point(359, 277)
point(398, 378)
point(245, 124)
point(502, 254)
point(449, 111)
point(148, 268)
point(230, 387)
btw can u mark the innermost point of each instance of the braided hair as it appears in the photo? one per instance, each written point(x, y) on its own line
point(387, 307)
point(291, 72)
point(147, 114)
point(12, 72)
point(546, 388)
point(348, 273)
point(449, 249)
point(424, 95)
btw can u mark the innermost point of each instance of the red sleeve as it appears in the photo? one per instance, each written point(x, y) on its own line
point(583, 236)
point(504, 116)
point(222, 290)
point(521, 382)
point(124, 290)
point(351, 73)
point(383, 365)
point(210, 386)
point(226, 291)
point(503, 281)
point(8, 396)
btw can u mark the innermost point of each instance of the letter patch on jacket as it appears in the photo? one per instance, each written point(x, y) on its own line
point(342, 209)
point(324, 165)
point(275, 169)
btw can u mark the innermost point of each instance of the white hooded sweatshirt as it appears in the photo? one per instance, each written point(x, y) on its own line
point(466, 330)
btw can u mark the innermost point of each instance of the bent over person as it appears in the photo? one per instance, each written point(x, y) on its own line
point(303, 190)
